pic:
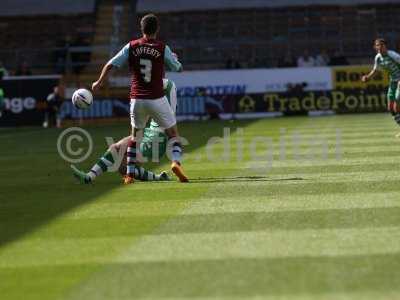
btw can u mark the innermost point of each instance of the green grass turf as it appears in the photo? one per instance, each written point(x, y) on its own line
point(296, 224)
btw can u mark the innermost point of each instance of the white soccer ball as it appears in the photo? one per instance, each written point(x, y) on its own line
point(82, 98)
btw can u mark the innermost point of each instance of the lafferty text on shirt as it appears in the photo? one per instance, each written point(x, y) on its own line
point(146, 50)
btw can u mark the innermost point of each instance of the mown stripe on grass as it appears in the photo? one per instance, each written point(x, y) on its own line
point(207, 246)
point(211, 204)
point(244, 277)
point(260, 203)
point(225, 222)
point(366, 295)
point(332, 168)
point(298, 186)
point(222, 222)
point(284, 220)
point(287, 243)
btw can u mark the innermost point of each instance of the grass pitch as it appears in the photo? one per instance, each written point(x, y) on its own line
point(316, 216)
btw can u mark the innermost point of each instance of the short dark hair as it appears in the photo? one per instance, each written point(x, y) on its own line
point(149, 24)
point(380, 41)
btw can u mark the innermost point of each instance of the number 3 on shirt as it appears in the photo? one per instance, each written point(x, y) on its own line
point(146, 69)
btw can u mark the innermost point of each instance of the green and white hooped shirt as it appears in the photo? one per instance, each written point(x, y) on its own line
point(389, 62)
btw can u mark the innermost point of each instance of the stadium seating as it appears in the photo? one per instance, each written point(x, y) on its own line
point(260, 37)
point(10, 8)
point(255, 33)
point(40, 32)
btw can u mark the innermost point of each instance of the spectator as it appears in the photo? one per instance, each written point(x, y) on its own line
point(232, 63)
point(2, 103)
point(3, 71)
point(51, 116)
point(23, 69)
point(306, 60)
point(229, 63)
point(297, 89)
point(322, 59)
point(286, 62)
point(338, 59)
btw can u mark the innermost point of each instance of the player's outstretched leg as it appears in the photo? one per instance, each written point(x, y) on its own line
point(130, 162)
point(395, 111)
point(81, 176)
point(163, 176)
point(396, 117)
point(176, 153)
point(142, 174)
point(176, 166)
point(101, 166)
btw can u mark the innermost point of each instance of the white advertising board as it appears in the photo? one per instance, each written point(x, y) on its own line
point(244, 81)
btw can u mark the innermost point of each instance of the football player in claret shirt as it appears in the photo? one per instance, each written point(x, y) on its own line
point(154, 137)
point(147, 58)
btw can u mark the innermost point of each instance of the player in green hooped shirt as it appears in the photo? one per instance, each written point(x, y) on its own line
point(153, 136)
point(2, 103)
point(389, 61)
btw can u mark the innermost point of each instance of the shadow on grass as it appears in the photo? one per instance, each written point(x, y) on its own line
point(241, 179)
point(36, 185)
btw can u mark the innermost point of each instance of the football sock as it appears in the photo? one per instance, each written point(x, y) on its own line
point(131, 158)
point(176, 151)
point(144, 175)
point(101, 166)
point(397, 94)
point(396, 118)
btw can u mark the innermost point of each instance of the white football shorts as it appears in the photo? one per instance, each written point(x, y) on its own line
point(157, 109)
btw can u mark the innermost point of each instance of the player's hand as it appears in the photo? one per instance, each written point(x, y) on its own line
point(96, 86)
point(175, 55)
point(364, 78)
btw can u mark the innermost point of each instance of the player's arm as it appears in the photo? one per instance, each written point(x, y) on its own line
point(117, 61)
point(368, 76)
point(394, 55)
point(171, 60)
